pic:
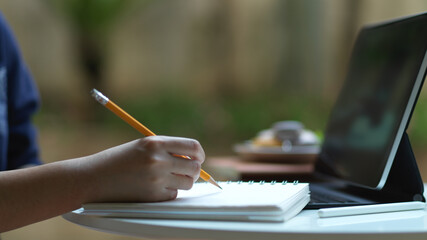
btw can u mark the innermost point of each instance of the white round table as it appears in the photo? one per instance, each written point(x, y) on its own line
point(306, 225)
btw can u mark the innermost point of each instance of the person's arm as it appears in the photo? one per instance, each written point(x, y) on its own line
point(139, 171)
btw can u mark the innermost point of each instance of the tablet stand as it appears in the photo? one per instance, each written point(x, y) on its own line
point(404, 181)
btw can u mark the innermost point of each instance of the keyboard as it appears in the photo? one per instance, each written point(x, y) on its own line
point(327, 198)
point(321, 197)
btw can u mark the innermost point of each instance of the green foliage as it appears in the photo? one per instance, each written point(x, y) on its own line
point(218, 124)
point(418, 126)
point(91, 16)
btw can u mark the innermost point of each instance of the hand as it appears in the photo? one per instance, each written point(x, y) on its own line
point(139, 171)
point(143, 170)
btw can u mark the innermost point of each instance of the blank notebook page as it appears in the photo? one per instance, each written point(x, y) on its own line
point(236, 194)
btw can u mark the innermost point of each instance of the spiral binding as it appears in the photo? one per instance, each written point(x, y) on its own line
point(260, 182)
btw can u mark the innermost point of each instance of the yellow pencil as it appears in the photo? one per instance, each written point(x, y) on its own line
point(138, 126)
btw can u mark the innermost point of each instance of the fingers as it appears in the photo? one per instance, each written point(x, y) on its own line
point(170, 190)
point(180, 146)
point(172, 151)
point(154, 164)
point(180, 182)
point(183, 166)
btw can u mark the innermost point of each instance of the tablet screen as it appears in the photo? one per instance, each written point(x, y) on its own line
point(385, 75)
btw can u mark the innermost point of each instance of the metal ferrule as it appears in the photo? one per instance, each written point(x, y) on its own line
point(99, 97)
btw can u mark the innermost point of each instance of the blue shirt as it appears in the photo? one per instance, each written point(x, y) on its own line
point(18, 102)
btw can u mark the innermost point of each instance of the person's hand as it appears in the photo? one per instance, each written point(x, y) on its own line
point(143, 170)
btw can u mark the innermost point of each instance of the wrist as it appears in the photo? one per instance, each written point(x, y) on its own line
point(81, 180)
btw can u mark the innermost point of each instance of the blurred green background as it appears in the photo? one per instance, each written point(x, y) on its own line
point(215, 70)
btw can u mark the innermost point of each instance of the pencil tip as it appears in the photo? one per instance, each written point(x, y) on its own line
point(211, 180)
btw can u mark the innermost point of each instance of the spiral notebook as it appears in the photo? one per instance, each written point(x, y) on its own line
point(237, 201)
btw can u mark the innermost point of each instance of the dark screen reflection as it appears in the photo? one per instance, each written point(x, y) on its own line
point(385, 64)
